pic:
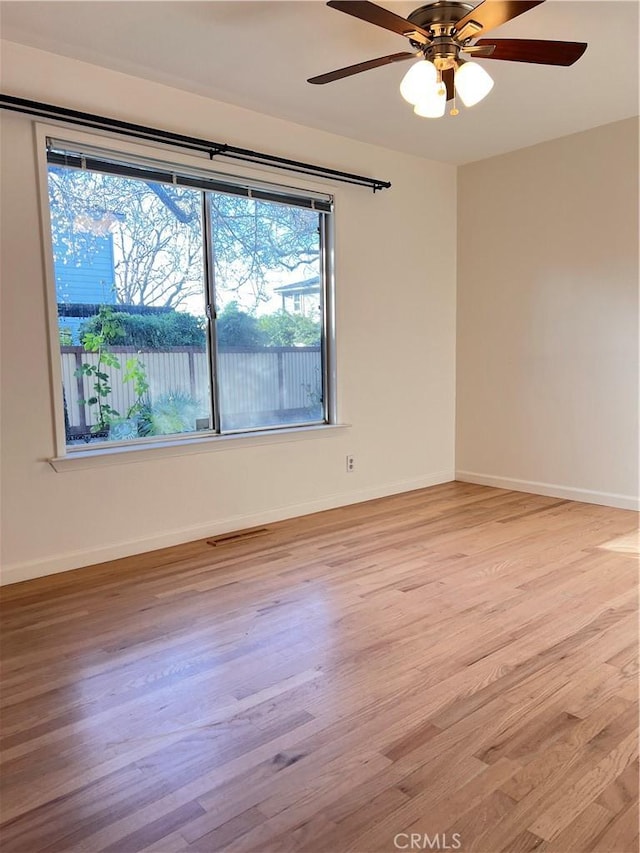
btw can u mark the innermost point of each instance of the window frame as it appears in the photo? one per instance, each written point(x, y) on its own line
point(164, 156)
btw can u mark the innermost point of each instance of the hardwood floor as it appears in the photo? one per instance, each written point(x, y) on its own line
point(458, 662)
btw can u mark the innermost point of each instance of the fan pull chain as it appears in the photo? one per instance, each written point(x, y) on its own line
point(454, 111)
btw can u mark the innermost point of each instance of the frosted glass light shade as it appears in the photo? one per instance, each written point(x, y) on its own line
point(434, 104)
point(472, 83)
point(418, 79)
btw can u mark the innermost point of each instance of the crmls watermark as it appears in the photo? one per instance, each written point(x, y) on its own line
point(424, 841)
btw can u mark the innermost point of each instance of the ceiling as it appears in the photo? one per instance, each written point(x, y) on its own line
point(259, 54)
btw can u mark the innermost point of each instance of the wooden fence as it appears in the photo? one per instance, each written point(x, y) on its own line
point(252, 380)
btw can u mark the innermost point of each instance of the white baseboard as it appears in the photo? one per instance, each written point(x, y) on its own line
point(551, 490)
point(16, 572)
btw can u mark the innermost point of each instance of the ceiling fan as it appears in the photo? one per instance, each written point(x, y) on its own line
point(441, 34)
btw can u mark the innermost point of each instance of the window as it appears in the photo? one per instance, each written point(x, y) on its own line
point(169, 286)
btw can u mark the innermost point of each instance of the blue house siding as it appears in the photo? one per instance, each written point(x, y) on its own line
point(88, 277)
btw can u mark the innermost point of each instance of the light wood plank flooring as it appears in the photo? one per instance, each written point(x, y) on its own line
point(459, 663)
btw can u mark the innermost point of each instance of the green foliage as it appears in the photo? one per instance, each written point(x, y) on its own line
point(135, 372)
point(97, 342)
point(66, 336)
point(106, 327)
point(152, 331)
point(287, 330)
point(236, 328)
point(173, 413)
point(123, 429)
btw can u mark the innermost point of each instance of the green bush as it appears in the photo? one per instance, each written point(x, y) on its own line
point(172, 413)
point(289, 330)
point(151, 331)
point(236, 328)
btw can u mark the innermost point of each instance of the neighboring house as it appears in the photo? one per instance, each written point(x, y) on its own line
point(79, 285)
point(301, 297)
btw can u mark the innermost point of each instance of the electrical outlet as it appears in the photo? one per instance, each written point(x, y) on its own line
point(351, 464)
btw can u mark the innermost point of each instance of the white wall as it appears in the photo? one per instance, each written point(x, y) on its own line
point(547, 353)
point(396, 344)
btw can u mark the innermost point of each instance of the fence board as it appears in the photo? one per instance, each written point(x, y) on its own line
point(252, 379)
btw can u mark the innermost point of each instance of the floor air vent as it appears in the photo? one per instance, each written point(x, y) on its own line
point(237, 536)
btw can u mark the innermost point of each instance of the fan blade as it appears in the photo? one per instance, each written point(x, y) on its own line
point(447, 78)
point(538, 51)
point(490, 14)
point(361, 66)
point(482, 50)
point(373, 14)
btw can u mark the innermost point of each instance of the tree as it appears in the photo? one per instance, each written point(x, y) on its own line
point(236, 328)
point(151, 331)
point(157, 236)
point(253, 239)
point(287, 330)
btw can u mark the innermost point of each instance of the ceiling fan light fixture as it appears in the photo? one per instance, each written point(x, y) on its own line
point(434, 104)
point(419, 79)
point(472, 83)
point(440, 33)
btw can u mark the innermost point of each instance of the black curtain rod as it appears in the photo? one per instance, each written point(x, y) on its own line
point(213, 149)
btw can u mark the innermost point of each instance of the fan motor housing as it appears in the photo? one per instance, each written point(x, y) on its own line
point(440, 17)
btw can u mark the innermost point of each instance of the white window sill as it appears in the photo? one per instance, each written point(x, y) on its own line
point(124, 454)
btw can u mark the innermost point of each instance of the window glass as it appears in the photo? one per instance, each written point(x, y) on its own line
point(267, 256)
point(128, 264)
point(182, 310)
